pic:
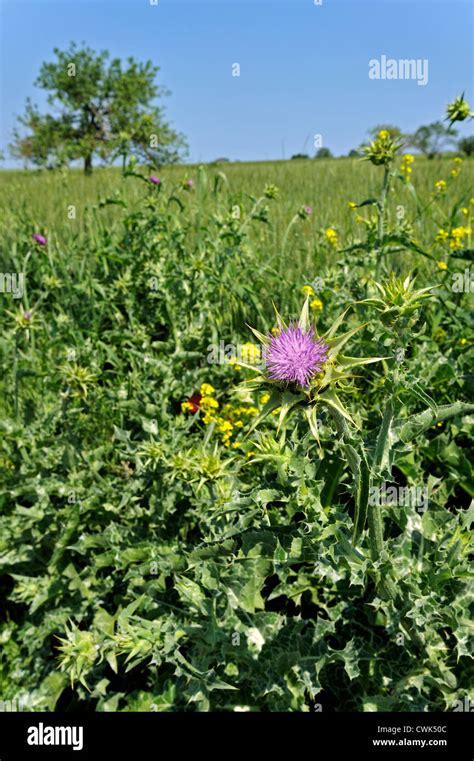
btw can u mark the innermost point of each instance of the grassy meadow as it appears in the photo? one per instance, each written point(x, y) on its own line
point(179, 528)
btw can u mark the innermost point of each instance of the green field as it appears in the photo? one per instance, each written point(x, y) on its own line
point(168, 545)
point(41, 199)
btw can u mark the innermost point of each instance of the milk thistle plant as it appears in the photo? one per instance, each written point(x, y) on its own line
point(303, 370)
point(458, 110)
point(381, 152)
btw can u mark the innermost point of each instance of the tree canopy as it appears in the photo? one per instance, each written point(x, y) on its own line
point(431, 139)
point(102, 108)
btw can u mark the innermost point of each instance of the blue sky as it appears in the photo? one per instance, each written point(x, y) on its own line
point(303, 67)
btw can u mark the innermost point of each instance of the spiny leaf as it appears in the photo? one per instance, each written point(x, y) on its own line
point(330, 399)
point(339, 343)
point(303, 321)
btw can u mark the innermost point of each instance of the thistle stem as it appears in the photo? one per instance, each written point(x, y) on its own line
point(381, 209)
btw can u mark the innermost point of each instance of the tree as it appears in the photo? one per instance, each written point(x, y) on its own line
point(466, 145)
point(104, 108)
point(300, 156)
point(323, 153)
point(430, 139)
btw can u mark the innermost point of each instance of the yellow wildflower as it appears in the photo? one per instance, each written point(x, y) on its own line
point(331, 236)
point(208, 402)
point(316, 304)
point(405, 166)
point(206, 389)
point(307, 290)
point(457, 234)
point(251, 411)
point(440, 186)
point(442, 266)
point(250, 353)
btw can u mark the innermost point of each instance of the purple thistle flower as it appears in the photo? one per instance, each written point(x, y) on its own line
point(295, 355)
point(27, 315)
point(308, 210)
point(154, 180)
point(39, 239)
point(189, 183)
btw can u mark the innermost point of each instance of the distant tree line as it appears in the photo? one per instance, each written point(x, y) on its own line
point(431, 140)
point(102, 109)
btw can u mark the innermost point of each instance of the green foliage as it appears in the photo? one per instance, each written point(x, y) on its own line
point(466, 145)
point(323, 153)
point(147, 563)
point(430, 139)
point(105, 109)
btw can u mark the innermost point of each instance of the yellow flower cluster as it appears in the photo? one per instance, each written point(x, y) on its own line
point(454, 238)
point(228, 420)
point(384, 134)
point(457, 235)
point(442, 266)
point(331, 236)
point(207, 403)
point(405, 168)
point(316, 304)
point(457, 169)
point(440, 186)
point(250, 353)
point(232, 420)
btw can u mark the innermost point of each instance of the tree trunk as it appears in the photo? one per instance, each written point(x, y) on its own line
point(88, 163)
